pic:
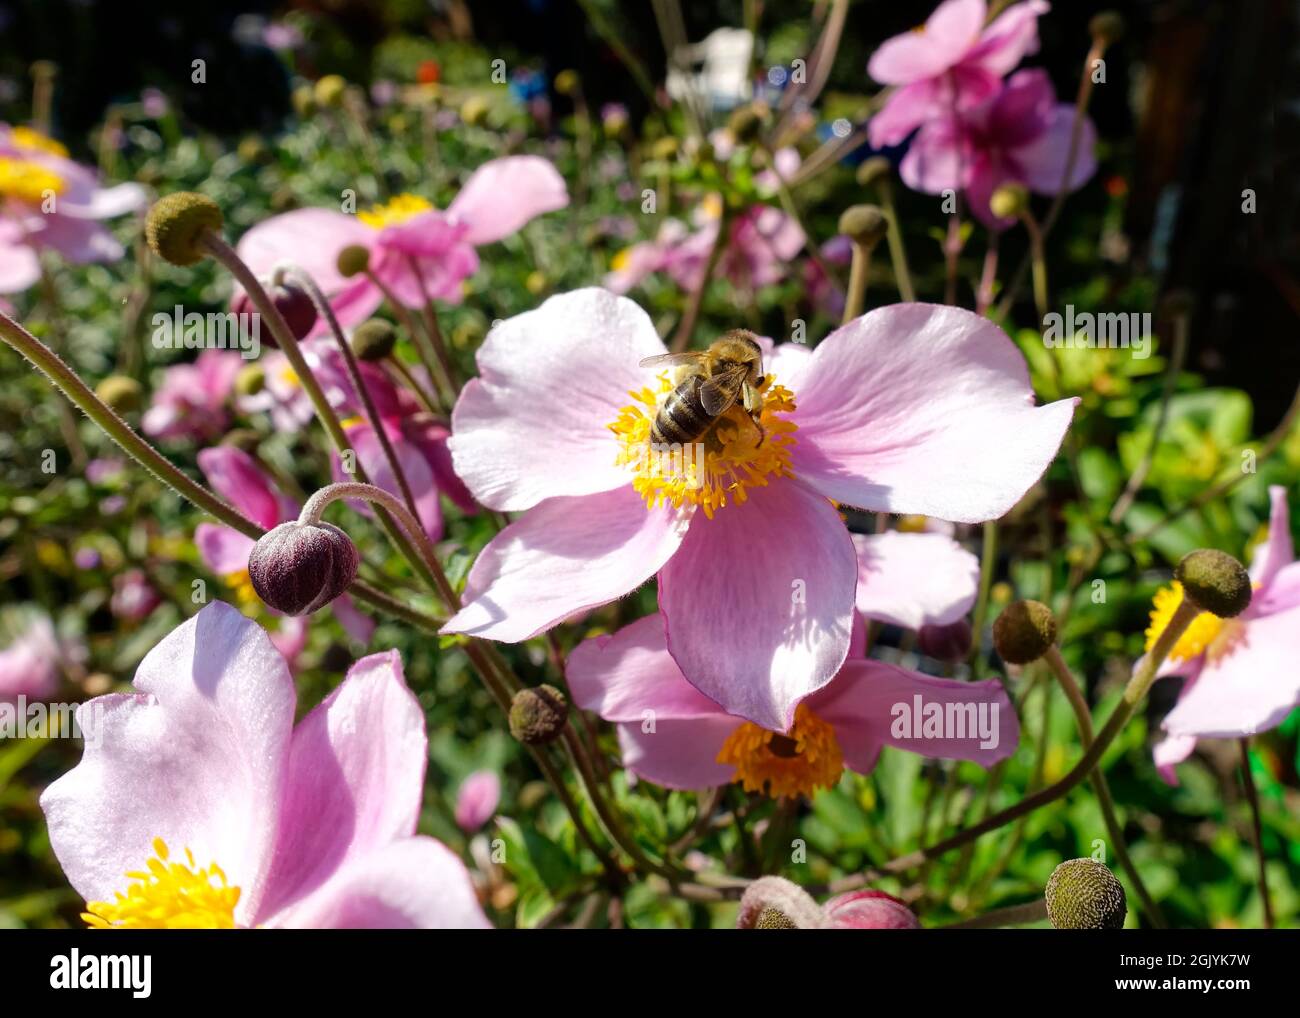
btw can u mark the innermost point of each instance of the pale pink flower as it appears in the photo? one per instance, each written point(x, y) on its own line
point(30, 666)
point(313, 824)
point(1241, 675)
point(51, 202)
point(1019, 136)
point(913, 408)
point(857, 910)
point(952, 64)
point(413, 246)
point(477, 800)
point(134, 597)
point(192, 401)
point(869, 910)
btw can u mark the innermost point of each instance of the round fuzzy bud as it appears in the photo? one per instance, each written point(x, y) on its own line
point(774, 903)
point(747, 121)
point(772, 919)
point(1009, 201)
point(353, 260)
point(304, 101)
point(566, 82)
point(1107, 27)
point(176, 224)
point(121, 393)
point(869, 910)
point(474, 110)
point(1215, 582)
point(298, 568)
point(251, 380)
point(329, 90)
point(949, 642)
point(373, 340)
point(1024, 631)
point(538, 715)
point(865, 224)
point(1082, 894)
point(874, 169)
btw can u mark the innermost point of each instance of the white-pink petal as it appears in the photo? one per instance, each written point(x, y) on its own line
point(912, 580)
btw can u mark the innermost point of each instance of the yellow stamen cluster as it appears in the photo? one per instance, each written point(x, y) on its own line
point(26, 181)
point(394, 211)
point(785, 766)
point(26, 137)
point(1207, 633)
point(241, 587)
point(734, 458)
point(170, 896)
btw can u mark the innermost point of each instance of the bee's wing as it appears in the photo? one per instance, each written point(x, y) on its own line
point(720, 392)
point(690, 357)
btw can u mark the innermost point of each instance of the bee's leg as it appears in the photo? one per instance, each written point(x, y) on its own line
point(762, 433)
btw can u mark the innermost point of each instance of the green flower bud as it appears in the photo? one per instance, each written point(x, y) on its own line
point(747, 121)
point(251, 380)
point(1082, 894)
point(1107, 27)
point(1215, 582)
point(865, 224)
point(474, 110)
point(373, 340)
point(873, 170)
point(121, 393)
point(353, 260)
point(329, 90)
point(176, 224)
point(1024, 631)
point(664, 148)
point(1009, 201)
point(538, 715)
point(566, 82)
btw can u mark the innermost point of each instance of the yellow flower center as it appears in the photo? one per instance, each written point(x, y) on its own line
point(170, 896)
point(26, 181)
point(25, 137)
point(722, 464)
point(807, 759)
point(620, 261)
point(396, 210)
point(1207, 633)
point(241, 586)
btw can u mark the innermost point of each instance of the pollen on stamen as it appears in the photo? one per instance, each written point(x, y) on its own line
point(1207, 633)
point(170, 895)
point(721, 466)
point(785, 766)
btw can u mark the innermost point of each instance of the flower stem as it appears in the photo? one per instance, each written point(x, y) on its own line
point(1098, 779)
point(1012, 915)
point(894, 235)
point(1257, 829)
point(682, 338)
point(423, 348)
point(859, 271)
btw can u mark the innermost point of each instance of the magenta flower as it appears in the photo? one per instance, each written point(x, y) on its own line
point(53, 203)
point(952, 64)
point(415, 249)
point(477, 800)
point(1240, 673)
point(914, 408)
point(198, 803)
point(30, 666)
point(192, 401)
point(1021, 136)
point(236, 477)
point(777, 902)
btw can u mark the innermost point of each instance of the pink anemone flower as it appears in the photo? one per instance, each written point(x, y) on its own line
point(914, 408)
point(417, 251)
point(237, 477)
point(477, 800)
point(953, 63)
point(673, 736)
point(1240, 674)
point(51, 202)
point(1020, 136)
point(199, 803)
point(30, 666)
point(192, 401)
point(857, 910)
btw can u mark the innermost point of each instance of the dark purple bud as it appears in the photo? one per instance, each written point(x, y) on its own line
point(298, 568)
point(949, 642)
point(290, 300)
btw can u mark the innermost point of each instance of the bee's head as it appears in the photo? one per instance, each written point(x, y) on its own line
point(740, 347)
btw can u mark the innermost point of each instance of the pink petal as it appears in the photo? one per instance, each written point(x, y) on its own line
point(419, 475)
point(1276, 550)
point(354, 779)
point(431, 438)
point(870, 910)
point(310, 238)
point(415, 883)
point(678, 753)
point(19, 265)
point(1042, 161)
point(477, 799)
point(1248, 688)
point(1171, 751)
point(30, 665)
point(197, 757)
point(107, 202)
point(926, 409)
point(873, 703)
point(566, 555)
point(223, 549)
point(759, 601)
point(940, 157)
point(236, 477)
point(359, 626)
point(535, 423)
point(949, 32)
point(906, 109)
point(911, 580)
point(1009, 38)
point(504, 194)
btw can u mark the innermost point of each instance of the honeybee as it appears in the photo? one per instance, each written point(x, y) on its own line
point(730, 370)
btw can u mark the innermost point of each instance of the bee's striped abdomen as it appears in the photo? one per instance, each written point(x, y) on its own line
point(682, 418)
